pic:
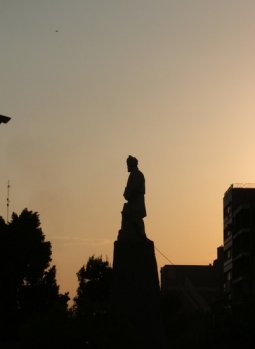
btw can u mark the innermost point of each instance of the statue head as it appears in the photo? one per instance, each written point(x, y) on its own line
point(132, 163)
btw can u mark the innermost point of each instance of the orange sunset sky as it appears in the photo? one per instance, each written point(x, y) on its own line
point(89, 82)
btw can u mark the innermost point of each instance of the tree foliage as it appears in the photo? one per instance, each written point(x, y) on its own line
point(25, 249)
point(95, 281)
point(92, 318)
point(27, 282)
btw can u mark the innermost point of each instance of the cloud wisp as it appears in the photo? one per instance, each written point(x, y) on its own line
point(67, 240)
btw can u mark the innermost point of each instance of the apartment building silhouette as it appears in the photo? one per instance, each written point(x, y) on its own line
point(239, 242)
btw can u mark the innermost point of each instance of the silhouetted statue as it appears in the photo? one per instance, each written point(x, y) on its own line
point(134, 210)
point(135, 292)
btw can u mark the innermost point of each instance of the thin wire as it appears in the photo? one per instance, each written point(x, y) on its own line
point(164, 255)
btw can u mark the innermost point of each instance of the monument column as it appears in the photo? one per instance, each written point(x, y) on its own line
point(136, 291)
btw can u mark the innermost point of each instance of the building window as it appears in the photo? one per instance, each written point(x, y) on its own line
point(228, 231)
point(242, 219)
point(228, 276)
point(227, 211)
point(228, 254)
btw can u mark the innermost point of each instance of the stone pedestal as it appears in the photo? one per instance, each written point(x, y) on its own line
point(135, 293)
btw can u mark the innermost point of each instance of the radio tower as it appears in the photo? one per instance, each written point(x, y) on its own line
point(8, 200)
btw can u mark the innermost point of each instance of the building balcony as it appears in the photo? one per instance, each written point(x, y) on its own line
point(227, 287)
point(228, 265)
point(240, 232)
point(243, 254)
point(227, 243)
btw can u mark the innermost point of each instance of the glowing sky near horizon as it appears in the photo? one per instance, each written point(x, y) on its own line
point(89, 82)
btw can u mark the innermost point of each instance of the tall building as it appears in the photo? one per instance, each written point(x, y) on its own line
point(239, 241)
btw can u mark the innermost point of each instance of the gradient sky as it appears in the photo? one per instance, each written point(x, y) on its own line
point(89, 82)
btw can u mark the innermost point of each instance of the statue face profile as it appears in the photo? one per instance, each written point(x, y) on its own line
point(131, 163)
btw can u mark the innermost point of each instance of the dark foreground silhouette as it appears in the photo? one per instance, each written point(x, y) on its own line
point(34, 314)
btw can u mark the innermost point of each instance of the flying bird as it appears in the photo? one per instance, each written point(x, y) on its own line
point(4, 119)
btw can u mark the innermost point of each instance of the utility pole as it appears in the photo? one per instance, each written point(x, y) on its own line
point(5, 119)
point(8, 200)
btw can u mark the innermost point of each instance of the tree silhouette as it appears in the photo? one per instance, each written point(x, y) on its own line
point(27, 285)
point(95, 281)
point(92, 320)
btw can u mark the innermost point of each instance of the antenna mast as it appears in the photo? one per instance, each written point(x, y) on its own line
point(8, 200)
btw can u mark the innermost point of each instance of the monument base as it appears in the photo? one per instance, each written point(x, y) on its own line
point(135, 292)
